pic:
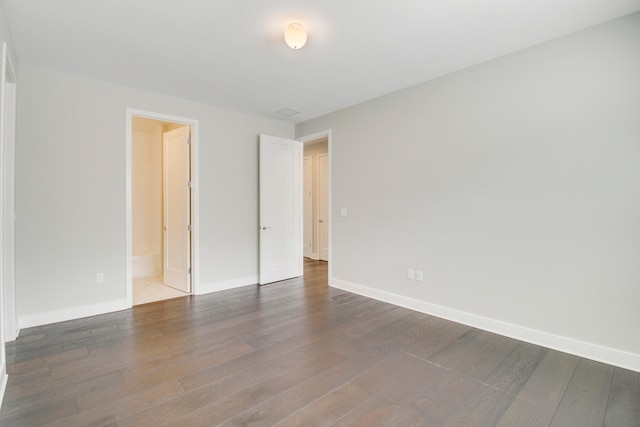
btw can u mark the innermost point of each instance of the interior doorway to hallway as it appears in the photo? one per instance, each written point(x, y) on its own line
point(161, 222)
point(315, 200)
point(316, 196)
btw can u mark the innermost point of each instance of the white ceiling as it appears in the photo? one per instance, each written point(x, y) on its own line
point(231, 53)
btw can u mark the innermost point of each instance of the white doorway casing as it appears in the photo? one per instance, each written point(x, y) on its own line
point(7, 157)
point(194, 125)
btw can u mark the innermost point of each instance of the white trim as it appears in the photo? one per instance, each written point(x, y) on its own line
point(72, 313)
point(7, 203)
point(227, 284)
point(587, 350)
point(3, 385)
point(128, 251)
point(195, 196)
point(8, 130)
point(314, 137)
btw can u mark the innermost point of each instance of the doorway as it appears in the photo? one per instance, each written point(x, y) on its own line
point(290, 189)
point(316, 196)
point(315, 212)
point(161, 222)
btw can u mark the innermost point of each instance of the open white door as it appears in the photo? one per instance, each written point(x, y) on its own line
point(177, 209)
point(280, 209)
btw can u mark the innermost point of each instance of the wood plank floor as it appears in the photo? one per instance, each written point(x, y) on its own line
point(299, 353)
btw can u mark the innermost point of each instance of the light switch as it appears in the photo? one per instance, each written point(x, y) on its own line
point(343, 212)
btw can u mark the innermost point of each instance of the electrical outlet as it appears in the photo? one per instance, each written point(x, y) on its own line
point(410, 273)
point(419, 275)
point(99, 277)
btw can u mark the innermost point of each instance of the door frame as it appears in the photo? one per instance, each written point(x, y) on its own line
point(195, 196)
point(8, 318)
point(308, 139)
point(8, 313)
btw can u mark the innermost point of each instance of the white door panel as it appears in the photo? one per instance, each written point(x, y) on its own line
point(280, 209)
point(177, 209)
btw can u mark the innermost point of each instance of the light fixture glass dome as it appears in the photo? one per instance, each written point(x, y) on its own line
point(295, 36)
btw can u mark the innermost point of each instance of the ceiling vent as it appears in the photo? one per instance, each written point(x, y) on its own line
point(287, 112)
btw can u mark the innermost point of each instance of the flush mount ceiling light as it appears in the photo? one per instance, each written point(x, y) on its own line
point(295, 36)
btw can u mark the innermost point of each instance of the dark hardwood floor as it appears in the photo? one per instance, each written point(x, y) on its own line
point(298, 353)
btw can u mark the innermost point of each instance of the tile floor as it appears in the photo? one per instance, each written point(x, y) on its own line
point(149, 289)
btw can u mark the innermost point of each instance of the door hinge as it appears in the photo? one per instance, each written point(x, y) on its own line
point(189, 184)
point(189, 270)
point(189, 228)
point(189, 140)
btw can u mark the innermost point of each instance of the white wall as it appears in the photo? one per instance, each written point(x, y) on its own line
point(146, 197)
point(513, 184)
point(146, 186)
point(71, 191)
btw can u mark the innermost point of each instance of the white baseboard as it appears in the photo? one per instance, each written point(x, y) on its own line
point(92, 310)
point(12, 335)
point(3, 386)
point(226, 285)
point(72, 313)
point(145, 265)
point(595, 352)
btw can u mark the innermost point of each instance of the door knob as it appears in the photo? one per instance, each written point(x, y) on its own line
point(264, 228)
